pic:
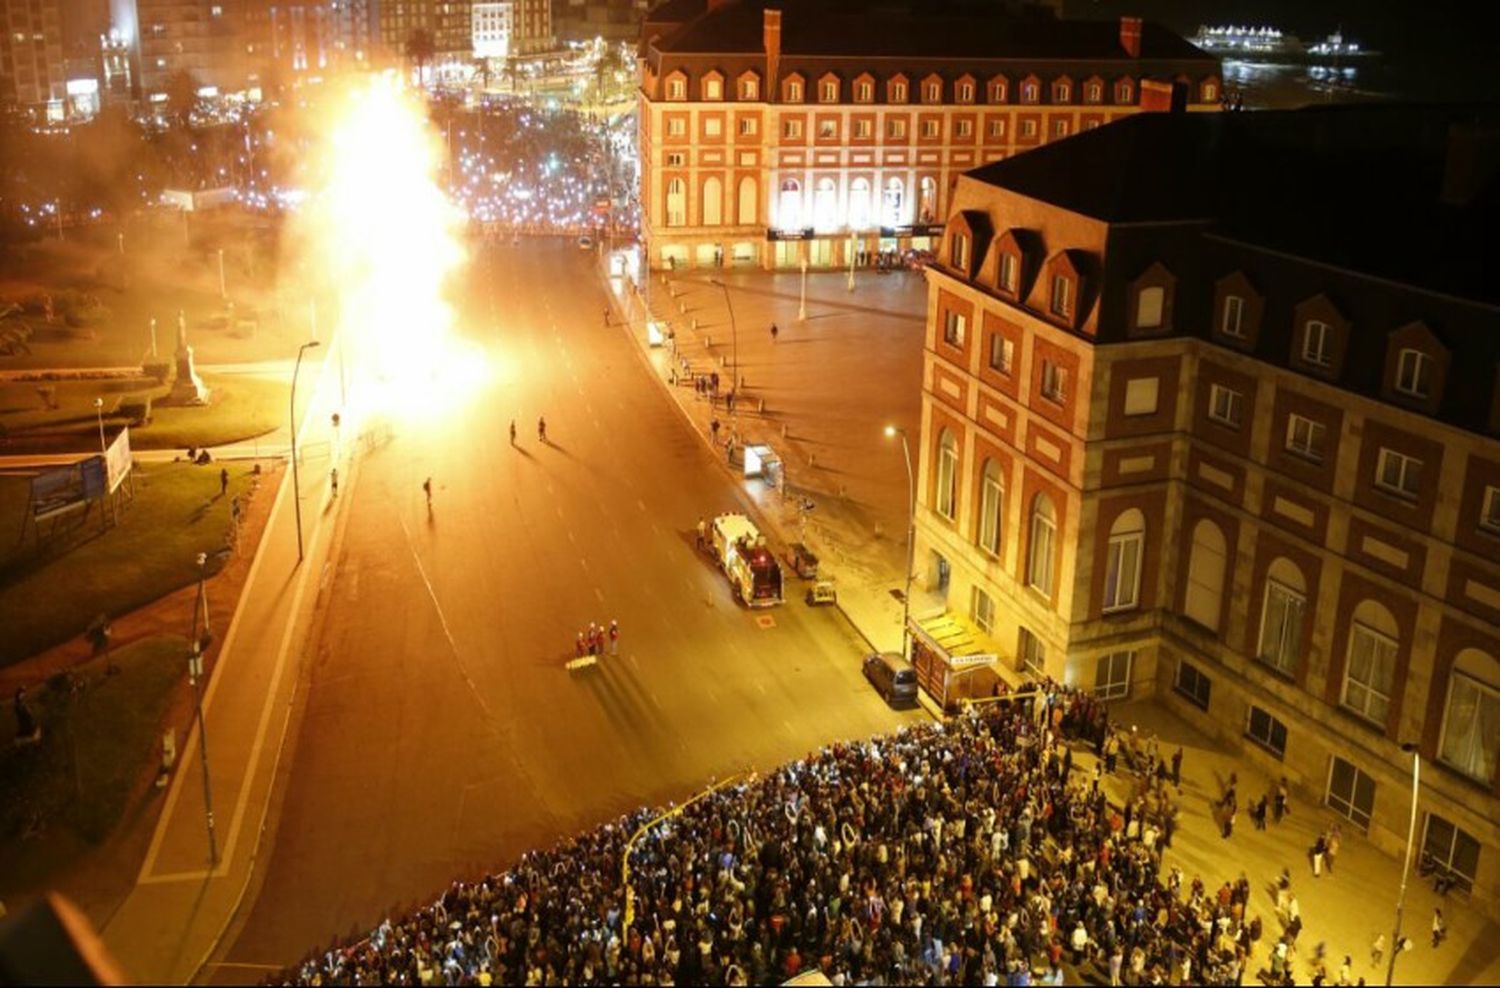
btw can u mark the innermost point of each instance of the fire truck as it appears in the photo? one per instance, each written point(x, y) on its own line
point(742, 553)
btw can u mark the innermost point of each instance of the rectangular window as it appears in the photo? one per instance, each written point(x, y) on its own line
point(1009, 269)
point(1062, 296)
point(1489, 512)
point(1054, 382)
point(747, 126)
point(898, 92)
point(982, 610)
point(1141, 395)
point(794, 92)
point(1225, 406)
point(1414, 373)
point(1305, 437)
point(1192, 684)
point(954, 325)
point(1122, 572)
point(865, 92)
point(1231, 323)
point(676, 127)
point(1028, 128)
point(896, 129)
point(1471, 727)
point(1059, 128)
point(1112, 675)
point(1093, 92)
point(1033, 657)
point(748, 89)
point(991, 509)
point(1266, 731)
point(1281, 627)
point(1399, 474)
point(1453, 851)
point(929, 128)
point(1316, 347)
point(934, 92)
point(1351, 792)
point(862, 129)
point(1039, 568)
point(713, 89)
point(1370, 674)
point(792, 129)
point(828, 130)
point(963, 128)
point(676, 159)
point(966, 92)
point(1002, 353)
point(830, 92)
point(997, 128)
point(1062, 93)
point(677, 89)
point(960, 251)
point(712, 127)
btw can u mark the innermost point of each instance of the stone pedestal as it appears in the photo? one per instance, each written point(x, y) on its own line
point(187, 386)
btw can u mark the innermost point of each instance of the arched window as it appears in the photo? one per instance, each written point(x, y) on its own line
point(927, 204)
point(947, 475)
point(713, 202)
point(826, 205)
point(859, 203)
point(1281, 616)
point(1370, 672)
point(1039, 562)
point(1122, 564)
point(1150, 304)
point(895, 200)
point(991, 507)
point(676, 202)
point(789, 207)
point(1205, 578)
point(1471, 716)
point(749, 191)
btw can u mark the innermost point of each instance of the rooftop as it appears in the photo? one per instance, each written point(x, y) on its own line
point(833, 28)
point(1398, 191)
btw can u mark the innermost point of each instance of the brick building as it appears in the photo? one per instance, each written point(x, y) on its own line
point(31, 54)
point(1210, 411)
point(770, 133)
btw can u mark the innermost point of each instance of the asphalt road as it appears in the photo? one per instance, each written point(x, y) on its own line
point(439, 734)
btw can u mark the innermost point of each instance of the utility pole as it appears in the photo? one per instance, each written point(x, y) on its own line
point(296, 483)
point(911, 540)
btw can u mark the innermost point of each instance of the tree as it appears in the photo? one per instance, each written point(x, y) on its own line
point(420, 48)
point(182, 96)
point(483, 69)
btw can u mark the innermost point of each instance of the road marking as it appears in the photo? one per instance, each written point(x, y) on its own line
point(582, 663)
point(760, 686)
point(584, 560)
point(571, 538)
point(600, 594)
point(443, 620)
point(765, 621)
point(788, 725)
point(641, 503)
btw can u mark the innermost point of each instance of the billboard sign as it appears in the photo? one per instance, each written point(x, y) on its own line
point(117, 459)
point(57, 490)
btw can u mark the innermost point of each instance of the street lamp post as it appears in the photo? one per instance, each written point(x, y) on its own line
point(296, 485)
point(802, 304)
point(153, 337)
point(1411, 835)
point(223, 288)
point(200, 606)
point(734, 331)
point(195, 673)
point(99, 414)
point(911, 539)
point(852, 254)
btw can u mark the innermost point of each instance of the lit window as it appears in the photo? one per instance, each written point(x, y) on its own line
point(676, 127)
point(1142, 395)
point(1122, 566)
point(1305, 437)
point(997, 92)
point(1124, 93)
point(747, 126)
point(1062, 296)
point(792, 129)
point(947, 475)
point(1093, 93)
point(991, 508)
point(865, 93)
point(966, 92)
point(1231, 323)
point(898, 92)
point(1489, 515)
point(794, 92)
point(997, 127)
point(1281, 626)
point(748, 89)
point(676, 89)
point(1030, 92)
point(1054, 382)
point(954, 325)
point(1370, 673)
point(828, 130)
point(713, 126)
point(1039, 565)
point(1150, 305)
point(1009, 272)
point(862, 129)
point(1210, 92)
point(929, 128)
point(830, 92)
point(1059, 128)
point(982, 610)
point(1033, 657)
point(1316, 345)
point(934, 92)
point(1062, 93)
point(964, 128)
point(959, 251)
point(896, 129)
point(1414, 373)
point(1399, 474)
point(1028, 127)
point(1471, 724)
point(713, 89)
point(1226, 406)
point(1002, 354)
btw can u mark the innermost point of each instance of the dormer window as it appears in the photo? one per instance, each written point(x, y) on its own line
point(864, 92)
point(749, 89)
point(1317, 343)
point(1093, 93)
point(1030, 92)
point(997, 91)
point(1010, 272)
point(676, 89)
point(959, 251)
point(1210, 92)
point(1061, 303)
point(898, 92)
point(1150, 305)
point(794, 92)
point(966, 92)
point(1232, 320)
point(713, 89)
point(1062, 92)
point(829, 92)
point(1414, 373)
point(1124, 91)
point(932, 92)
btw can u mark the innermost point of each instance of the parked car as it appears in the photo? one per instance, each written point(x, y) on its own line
point(893, 677)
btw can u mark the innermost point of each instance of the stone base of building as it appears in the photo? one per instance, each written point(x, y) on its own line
point(755, 248)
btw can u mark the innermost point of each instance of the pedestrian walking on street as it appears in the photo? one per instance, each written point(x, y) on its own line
point(1258, 813)
point(702, 534)
point(1331, 849)
point(223, 481)
point(541, 428)
point(1177, 767)
point(427, 489)
point(714, 428)
point(614, 637)
point(579, 646)
point(1319, 849)
point(1439, 926)
point(1279, 808)
point(333, 481)
point(774, 332)
point(512, 432)
point(1377, 950)
point(1229, 824)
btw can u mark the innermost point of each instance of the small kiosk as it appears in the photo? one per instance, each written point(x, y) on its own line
point(950, 667)
point(761, 461)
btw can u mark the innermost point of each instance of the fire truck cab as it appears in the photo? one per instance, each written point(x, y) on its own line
point(746, 560)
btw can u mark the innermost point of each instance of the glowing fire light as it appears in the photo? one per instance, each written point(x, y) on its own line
point(386, 241)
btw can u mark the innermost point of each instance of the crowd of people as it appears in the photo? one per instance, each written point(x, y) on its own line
point(965, 852)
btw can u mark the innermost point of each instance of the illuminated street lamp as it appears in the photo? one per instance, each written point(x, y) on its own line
point(296, 486)
point(223, 289)
point(851, 260)
point(195, 675)
point(734, 330)
point(1411, 834)
point(99, 414)
point(911, 537)
point(802, 304)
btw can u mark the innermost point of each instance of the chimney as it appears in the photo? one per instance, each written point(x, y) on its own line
point(772, 37)
point(1130, 36)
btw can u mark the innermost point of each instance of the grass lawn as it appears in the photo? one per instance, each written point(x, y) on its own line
point(240, 407)
point(97, 739)
point(51, 594)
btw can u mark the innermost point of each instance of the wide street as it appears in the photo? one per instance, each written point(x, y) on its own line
point(438, 733)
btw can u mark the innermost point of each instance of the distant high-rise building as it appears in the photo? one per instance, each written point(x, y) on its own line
point(31, 57)
point(492, 29)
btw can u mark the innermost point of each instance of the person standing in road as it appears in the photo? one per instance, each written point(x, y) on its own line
point(774, 332)
point(614, 637)
point(427, 489)
point(541, 428)
point(333, 481)
point(223, 481)
point(1439, 926)
point(702, 534)
point(1377, 950)
point(714, 428)
point(1331, 846)
point(579, 647)
point(1177, 767)
point(1278, 805)
point(512, 432)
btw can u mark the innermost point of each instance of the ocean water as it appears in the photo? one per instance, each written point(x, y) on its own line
point(1267, 85)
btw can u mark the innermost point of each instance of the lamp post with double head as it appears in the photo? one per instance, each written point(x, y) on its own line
point(1411, 836)
point(296, 486)
point(911, 538)
point(734, 330)
point(802, 301)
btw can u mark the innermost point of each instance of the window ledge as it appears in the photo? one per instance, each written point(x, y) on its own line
point(1120, 610)
point(1400, 496)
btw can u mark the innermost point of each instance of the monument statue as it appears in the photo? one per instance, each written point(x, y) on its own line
point(188, 388)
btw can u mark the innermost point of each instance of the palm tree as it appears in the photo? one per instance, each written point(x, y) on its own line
point(182, 96)
point(420, 48)
point(483, 69)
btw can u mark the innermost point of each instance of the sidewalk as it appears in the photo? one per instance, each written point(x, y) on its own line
point(820, 395)
point(181, 903)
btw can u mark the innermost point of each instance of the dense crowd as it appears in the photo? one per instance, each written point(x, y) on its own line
point(965, 853)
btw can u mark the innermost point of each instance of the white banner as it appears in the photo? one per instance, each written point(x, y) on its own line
point(970, 661)
point(117, 459)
